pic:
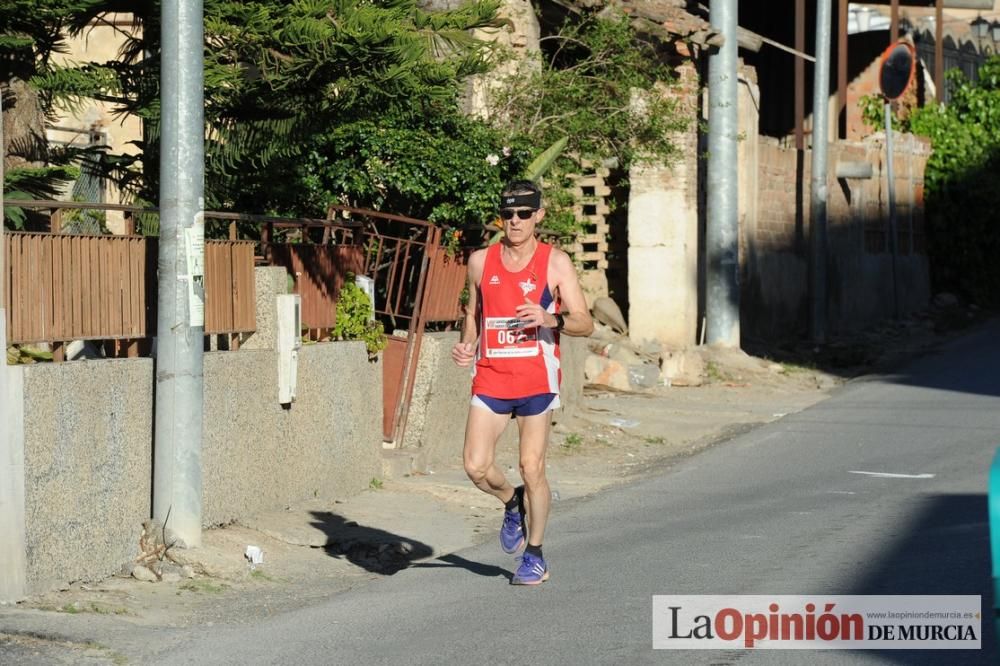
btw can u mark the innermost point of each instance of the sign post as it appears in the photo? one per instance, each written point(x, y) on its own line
point(898, 64)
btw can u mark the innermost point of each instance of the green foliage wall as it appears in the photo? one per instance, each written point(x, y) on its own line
point(314, 102)
point(962, 194)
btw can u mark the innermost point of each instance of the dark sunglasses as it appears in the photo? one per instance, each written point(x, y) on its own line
point(523, 214)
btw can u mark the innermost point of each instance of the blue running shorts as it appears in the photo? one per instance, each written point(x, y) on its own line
point(531, 405)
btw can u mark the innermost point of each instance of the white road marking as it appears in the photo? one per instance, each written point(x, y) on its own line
point(891, 475)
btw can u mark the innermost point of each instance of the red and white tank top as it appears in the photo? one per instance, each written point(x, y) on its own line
point(514, 360)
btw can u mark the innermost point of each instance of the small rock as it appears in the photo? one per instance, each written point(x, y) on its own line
point(945, 300)
point(623, 354)
point(187, 571)
point(603, 333)
point(651, 348)
point(643, 376)
point(776, 368)
point(684, 367)
point(142, 573)
point(171, 577)
point(607, 312)
point(605, 372)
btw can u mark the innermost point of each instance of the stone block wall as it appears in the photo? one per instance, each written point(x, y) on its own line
point(84, 443)
point(88, 446)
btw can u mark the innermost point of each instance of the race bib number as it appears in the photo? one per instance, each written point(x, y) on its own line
point(509, 337)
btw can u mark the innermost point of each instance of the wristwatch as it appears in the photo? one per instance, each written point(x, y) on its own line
point(560, 321)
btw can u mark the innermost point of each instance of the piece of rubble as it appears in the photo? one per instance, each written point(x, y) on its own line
point(139, 572)
point(683, 367)
point(607, 312)
point(643, 375)
point(945, 300)
point(624, 354)
point(606, 372)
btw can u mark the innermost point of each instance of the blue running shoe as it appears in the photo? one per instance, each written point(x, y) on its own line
point(512, 531)
point(533, 571)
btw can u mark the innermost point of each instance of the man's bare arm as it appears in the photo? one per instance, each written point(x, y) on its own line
point(576, 316)
point(464, 351)
point(470, 327)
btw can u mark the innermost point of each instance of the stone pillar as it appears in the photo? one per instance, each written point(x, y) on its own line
point(13, 551)
point(663, 237)
point(270, 282)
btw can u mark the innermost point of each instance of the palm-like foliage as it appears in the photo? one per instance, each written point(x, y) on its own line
point(31, 32)
point(278, 73)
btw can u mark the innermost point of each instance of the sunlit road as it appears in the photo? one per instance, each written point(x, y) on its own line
point(781, 510)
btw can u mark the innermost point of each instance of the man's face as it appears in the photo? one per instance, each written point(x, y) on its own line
point(519, 223)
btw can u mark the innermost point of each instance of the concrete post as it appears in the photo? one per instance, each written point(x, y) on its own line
point(13, 557)
point(663, 235)
point(177, 492)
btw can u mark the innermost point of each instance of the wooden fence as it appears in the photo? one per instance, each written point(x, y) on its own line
point(319, 272)
point(69, 287)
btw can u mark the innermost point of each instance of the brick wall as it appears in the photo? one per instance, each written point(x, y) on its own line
point(860, 287)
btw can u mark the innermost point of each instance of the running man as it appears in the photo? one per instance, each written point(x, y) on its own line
point(523, 294)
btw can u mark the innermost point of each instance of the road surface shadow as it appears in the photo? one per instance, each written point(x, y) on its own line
point(383, 552)
point(370, 548)
point(478, 568)
point(945, 549)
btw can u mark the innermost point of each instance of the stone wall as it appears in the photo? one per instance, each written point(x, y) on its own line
point(258, 455)
point(88, 433)
point(435, 427)
point(84, 442)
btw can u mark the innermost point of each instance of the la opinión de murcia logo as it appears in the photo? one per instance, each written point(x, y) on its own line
point(715, 622)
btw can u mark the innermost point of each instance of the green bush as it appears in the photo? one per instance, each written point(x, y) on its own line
point(354, 310)
point(961, 197)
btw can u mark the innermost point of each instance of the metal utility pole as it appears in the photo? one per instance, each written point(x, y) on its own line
point(722, 302)
point(821, 130)
point(177, 490)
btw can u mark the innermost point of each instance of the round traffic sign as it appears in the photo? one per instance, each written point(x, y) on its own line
point(898, 64)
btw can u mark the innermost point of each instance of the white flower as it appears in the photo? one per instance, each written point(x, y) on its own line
point(506, 151)
point(493, 159)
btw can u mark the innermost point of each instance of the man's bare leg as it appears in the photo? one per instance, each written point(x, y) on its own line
point(534, 432)
point(482, 430)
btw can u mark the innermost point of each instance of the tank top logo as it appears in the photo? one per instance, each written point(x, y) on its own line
point(527, 287)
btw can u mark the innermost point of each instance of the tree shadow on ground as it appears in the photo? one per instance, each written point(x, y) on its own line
point(386, 553)
point(370, 548)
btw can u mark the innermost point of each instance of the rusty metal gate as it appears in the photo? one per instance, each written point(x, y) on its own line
point(416, 283)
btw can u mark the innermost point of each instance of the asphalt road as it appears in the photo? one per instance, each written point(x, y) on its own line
point(780, 510)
